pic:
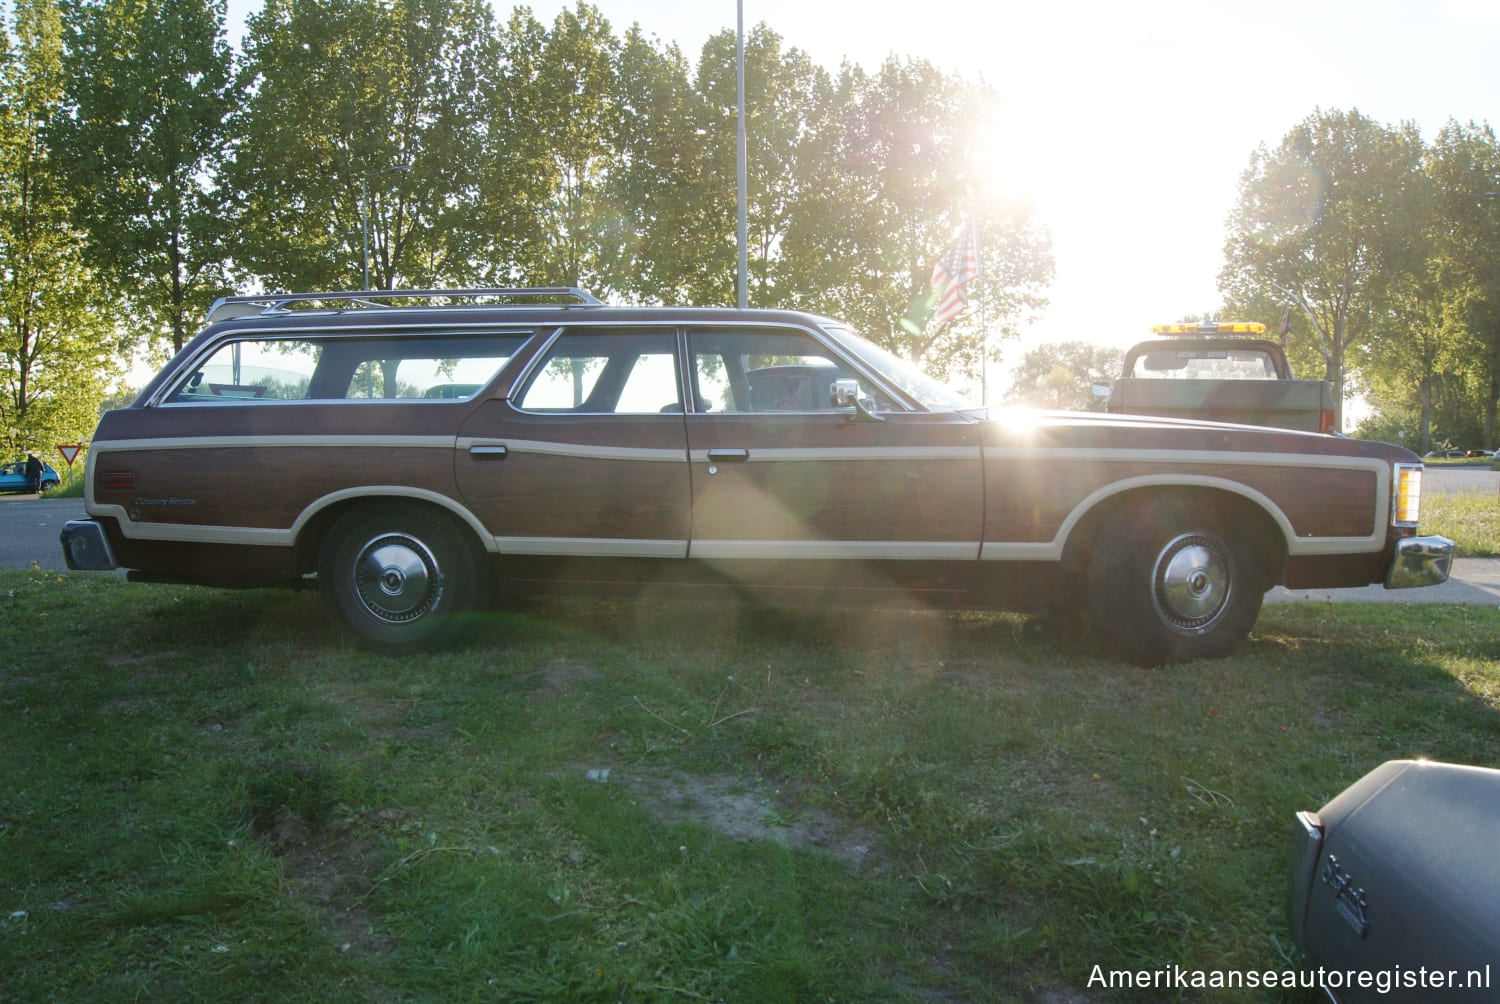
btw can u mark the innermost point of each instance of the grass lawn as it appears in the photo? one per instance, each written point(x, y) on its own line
point(207, 796)
point(1469, 519)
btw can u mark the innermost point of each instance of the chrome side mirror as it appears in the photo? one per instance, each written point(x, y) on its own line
point(844, 393)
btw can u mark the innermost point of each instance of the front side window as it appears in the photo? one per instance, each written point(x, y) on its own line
point(932, 394)
point(767, 370)
point(606, 372)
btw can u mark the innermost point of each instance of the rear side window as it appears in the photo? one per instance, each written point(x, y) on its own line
point(606, 372)
point(428, 367)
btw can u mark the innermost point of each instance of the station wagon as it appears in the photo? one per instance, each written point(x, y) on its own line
point(406, 452)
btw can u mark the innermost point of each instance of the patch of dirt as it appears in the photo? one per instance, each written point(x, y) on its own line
point(744, 811)
point(556, 677)
point(1064, 997)
point(335, 872)
point(121, 661)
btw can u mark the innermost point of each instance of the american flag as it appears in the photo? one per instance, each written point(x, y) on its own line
point(957, 266)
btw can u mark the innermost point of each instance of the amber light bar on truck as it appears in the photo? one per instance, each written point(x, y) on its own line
point(1210, 328)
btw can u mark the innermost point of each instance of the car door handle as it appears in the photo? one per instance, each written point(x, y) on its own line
point(488, 452)
point(728, 456)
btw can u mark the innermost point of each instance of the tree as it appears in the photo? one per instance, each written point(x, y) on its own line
point(1465, 165)
point(1320, 220)
point(660, 181)
point(900, 172)
point(56, 350)
point(1062, 376)
point(364, 118)
point(574, 100)
point(145, 135)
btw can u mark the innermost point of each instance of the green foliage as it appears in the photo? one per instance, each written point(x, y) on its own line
point(57, 350)
point(901, 170)
point(137, 160)
point(1322, 222)
point(449, 150)
point(145, 136)
point(1062, 376)
point(343, 95)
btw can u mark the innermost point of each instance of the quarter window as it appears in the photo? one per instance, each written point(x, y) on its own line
point(425, 367)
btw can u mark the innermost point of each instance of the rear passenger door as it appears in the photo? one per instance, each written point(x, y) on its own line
point(587, 456)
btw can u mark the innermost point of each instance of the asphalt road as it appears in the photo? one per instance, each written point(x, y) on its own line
point(29, 527)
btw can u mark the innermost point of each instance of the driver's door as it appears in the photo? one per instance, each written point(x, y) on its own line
point(780, 475)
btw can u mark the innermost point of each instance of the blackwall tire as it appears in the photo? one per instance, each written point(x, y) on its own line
point(1168, 583)
point(398, 576)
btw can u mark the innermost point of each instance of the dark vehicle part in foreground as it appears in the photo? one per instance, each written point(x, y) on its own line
point(407, 450)
point(1394, 886)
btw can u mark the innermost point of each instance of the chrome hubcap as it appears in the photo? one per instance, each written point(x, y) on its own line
point(397, 578)
point(1191, 583)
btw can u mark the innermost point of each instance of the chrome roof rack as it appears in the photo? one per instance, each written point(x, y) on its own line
point(387, 299)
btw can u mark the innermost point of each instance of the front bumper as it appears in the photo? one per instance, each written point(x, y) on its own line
point(1420, 561)
point(85, 547)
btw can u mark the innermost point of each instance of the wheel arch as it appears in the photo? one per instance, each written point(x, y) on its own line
point(311, 528)
point(1234, 504)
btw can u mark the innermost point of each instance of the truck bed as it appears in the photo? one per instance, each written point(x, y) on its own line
point(1286, 404)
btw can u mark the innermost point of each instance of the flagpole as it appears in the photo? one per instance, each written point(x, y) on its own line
point(984, 329)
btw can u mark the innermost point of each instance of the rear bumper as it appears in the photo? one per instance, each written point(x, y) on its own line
point(85, 547)
point(1420, 561)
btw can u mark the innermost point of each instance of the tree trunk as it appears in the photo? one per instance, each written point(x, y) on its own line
point(1489, 412)
point(1425, 440)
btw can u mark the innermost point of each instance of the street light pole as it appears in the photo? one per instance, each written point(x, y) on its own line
point(364, 226)
point(742, 224)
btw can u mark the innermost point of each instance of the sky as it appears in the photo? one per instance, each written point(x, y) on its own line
point(1126, 126)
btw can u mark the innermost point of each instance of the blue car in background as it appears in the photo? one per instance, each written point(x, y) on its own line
point(13, 477)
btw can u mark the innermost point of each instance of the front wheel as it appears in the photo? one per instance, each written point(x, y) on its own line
point(1168, 583)
point(395, 575)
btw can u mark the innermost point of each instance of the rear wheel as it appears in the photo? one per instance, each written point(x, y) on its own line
point(395, 575)
point(1168, 583)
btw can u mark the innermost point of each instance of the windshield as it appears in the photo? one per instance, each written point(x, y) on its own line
point(900, 373)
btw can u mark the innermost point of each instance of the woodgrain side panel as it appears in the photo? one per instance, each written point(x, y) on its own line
point(579, 477)
point(809, 478)
point(258, 486)
point(1029, 503)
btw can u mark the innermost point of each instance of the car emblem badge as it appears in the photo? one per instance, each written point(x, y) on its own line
point(1349, 899)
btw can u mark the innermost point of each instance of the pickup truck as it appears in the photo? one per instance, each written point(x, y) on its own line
point(1206, 372)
